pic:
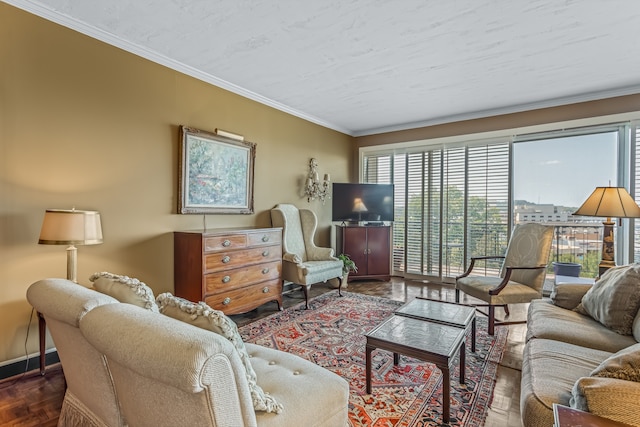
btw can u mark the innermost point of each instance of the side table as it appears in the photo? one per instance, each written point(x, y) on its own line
point(565, 416)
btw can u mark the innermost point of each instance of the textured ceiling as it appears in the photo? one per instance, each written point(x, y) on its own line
point(366, 66)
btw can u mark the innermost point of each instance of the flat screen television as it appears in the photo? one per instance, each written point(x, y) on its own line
point(372, 203)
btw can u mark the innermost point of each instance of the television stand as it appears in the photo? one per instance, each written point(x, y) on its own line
point(368, 247)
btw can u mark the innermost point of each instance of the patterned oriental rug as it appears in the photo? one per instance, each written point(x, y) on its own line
point(331, 334)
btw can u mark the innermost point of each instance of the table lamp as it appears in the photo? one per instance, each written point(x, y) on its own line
point(71, 227)
point(608, 202)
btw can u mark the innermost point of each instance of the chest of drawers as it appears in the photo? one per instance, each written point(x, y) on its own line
point(233, 270)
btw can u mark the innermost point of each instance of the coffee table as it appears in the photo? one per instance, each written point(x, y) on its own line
point(446, 313)
point(432, 342)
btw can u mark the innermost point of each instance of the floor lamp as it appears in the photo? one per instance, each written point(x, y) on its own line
point(71, 227)
point(609, 202)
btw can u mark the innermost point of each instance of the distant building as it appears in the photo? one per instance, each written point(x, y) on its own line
point(540, 213)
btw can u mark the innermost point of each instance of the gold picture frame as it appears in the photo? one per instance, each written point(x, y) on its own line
point(215, 173)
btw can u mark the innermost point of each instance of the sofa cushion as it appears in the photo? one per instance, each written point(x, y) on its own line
point(546, 320)
point(549, 371)
point(281, 372)
point(204, 317)
point(614, 299)
point(623, 365)
point(125, 289)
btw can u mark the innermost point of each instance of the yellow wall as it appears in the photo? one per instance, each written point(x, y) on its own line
point(88, 125)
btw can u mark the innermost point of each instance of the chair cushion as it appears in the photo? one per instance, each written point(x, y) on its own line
point(529, 246)
point(479, 286)
point(614, 299)
point(125, 289)
point(204, 317)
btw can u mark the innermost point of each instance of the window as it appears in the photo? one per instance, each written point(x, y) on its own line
point(461, 199)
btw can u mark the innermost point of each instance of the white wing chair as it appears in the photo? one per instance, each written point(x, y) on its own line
point(522, 274)
point(303, 262)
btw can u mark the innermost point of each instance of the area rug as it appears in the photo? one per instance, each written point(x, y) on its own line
point(331, 334)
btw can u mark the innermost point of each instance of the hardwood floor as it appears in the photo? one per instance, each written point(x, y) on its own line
point(34, 400)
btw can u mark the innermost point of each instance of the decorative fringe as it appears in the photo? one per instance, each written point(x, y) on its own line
point(74, 414)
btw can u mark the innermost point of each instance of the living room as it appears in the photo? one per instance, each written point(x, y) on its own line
point(87, 125)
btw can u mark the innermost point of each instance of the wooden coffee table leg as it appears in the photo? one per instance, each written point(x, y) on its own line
point(473, 335)
point(463, 365)
point(446, 387)
point(368, 351)
point(396, 359)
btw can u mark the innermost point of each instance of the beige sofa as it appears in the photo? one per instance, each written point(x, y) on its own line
point(564, 358)
point(126, 365)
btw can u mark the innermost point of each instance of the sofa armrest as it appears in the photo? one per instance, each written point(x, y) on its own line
point(609, 398)
point(569, 296)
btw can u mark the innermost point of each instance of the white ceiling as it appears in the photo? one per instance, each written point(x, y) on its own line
point(367, 66)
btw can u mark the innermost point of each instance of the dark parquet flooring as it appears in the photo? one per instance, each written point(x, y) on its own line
point(34, 400)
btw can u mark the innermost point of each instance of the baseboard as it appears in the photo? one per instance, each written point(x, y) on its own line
point(20, 367)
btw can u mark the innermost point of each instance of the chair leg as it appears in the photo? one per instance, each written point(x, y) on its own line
point(457, 295)
point(339, 286)
point(305, 289)
point(492, 319)
point(506, 309)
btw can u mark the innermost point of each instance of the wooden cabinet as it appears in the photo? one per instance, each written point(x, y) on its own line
point(368, 247)
point(232, 270)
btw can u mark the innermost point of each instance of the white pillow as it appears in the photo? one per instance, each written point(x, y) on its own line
point(203, 316)
point(125, 289)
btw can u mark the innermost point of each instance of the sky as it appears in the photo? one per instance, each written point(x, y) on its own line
point(564, 171)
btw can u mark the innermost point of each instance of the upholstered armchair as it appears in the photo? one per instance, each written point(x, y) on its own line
point(303, 263)
point(522, 273)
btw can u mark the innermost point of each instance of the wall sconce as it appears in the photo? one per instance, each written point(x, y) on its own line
point(314, 189)
point(71, 227)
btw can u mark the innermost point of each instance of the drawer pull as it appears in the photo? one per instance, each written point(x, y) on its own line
point(226, 279)
point(225, 259)
point(265, 270)
point(265, 238)
point(226, 301)
point(226, 243)
point(265, 253)
point(265, 290)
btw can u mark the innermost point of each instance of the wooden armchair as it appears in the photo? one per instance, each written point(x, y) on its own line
point(521, 277)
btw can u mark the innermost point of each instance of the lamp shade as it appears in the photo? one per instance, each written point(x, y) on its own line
point(70, 227)
point(358, 205)
point(609, 202)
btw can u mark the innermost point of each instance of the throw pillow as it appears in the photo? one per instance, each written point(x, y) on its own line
point(203, 316)
point(125, 289)
point(614, 299)
point(607, 397)
point(623, 365)
point(568, 296)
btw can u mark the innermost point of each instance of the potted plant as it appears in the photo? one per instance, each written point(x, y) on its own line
point(347, 266)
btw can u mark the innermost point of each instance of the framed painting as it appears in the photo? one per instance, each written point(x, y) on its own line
point(215, 173)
